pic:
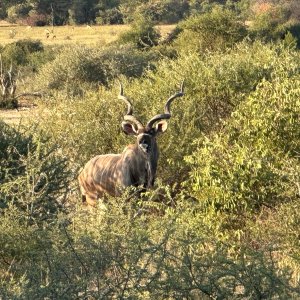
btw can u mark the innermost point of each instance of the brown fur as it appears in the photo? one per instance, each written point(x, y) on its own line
point(112, 173)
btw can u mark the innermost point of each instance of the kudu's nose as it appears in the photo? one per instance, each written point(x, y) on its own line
point(144, 142)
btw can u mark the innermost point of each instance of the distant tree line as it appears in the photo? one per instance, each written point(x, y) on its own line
point(60, 12)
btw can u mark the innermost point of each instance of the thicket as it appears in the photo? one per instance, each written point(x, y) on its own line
point(27, 55)
point(216, 30)
point(76, 68)
point(223, 219)
point(142, 34)
point(34, 177)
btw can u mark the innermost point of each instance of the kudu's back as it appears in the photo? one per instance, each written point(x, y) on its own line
point(100, 175)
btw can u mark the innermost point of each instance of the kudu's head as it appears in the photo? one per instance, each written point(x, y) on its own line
point(146, 135)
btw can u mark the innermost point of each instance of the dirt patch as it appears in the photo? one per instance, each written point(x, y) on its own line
point(15, 116)
point(6, 24)
point(27, 109)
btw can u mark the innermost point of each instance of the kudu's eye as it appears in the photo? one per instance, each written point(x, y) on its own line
point(152, 131)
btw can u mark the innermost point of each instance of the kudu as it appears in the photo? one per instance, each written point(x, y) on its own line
point(135, 166)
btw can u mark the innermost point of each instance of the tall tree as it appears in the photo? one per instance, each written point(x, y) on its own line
point(5, 4)
point(107, 12)
point(56, 9)
point(83, 11)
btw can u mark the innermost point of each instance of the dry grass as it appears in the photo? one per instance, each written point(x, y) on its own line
point(62, 35)
point(65, 35)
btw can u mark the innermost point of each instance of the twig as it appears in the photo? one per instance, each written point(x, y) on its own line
point(35, 94)
point(74, 251)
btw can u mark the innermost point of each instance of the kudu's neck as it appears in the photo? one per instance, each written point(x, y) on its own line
point(143, 165)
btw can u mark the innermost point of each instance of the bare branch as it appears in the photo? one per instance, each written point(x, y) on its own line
point(74, 251)
point(34, 94)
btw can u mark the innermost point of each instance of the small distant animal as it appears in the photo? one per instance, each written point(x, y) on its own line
point(47, 33)
point(135, 166)
point(12, 33)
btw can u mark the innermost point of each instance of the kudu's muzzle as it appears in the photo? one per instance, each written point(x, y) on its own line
point(144, 141)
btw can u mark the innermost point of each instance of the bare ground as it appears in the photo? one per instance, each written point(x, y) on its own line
point(15, 116)
point(25, 111)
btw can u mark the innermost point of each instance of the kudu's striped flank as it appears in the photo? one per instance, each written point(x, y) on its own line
point(135, 166)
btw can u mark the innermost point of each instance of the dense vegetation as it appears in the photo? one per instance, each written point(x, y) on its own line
point(59, 12)
point(223, 220)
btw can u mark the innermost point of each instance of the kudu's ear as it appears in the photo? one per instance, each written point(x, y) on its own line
point(161, 126)
point(129, 128)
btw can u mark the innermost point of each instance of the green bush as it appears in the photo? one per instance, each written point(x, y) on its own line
point(36, 60)
point(215, 30)
point(142, 34)
point(280, 227)
point(74, 68)
point(114, 256)
point(294, 30)
point(215, 85)
point(255, 162)
point(128, 61)
point(12, 53)
point(30, 46)
point(17, 12)
point(18, 52)
point(33, 176)
point(164, 12)
point(109, 16)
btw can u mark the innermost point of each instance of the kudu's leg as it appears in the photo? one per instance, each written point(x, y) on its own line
point(90, 200)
